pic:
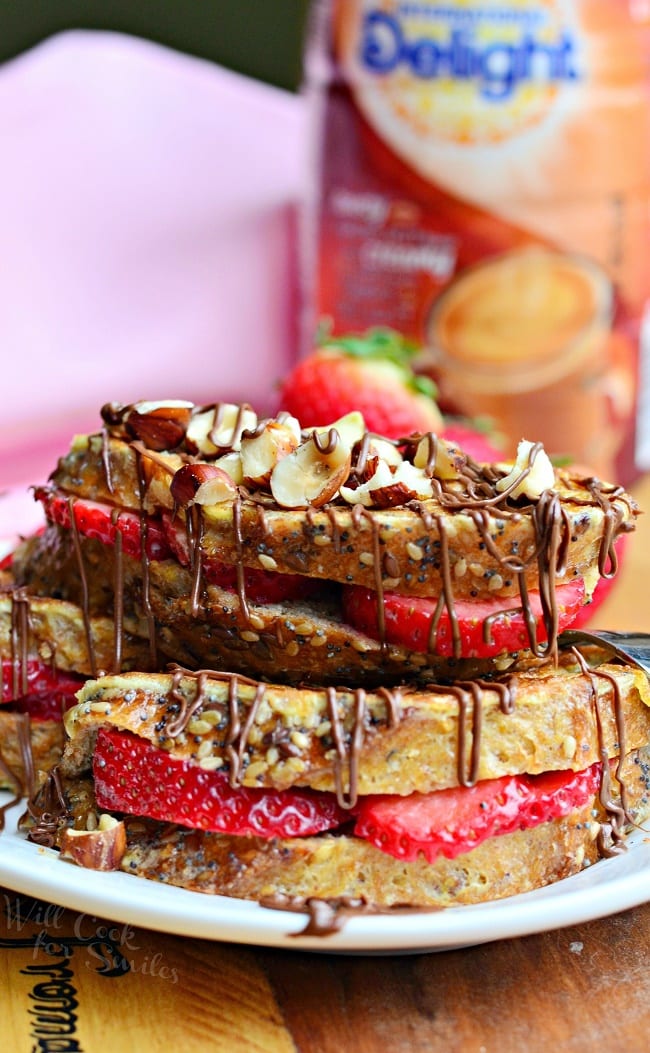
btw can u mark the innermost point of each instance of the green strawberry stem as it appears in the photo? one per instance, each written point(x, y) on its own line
point(380, 343)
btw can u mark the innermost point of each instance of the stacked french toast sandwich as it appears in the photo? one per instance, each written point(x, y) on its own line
point(321, 664)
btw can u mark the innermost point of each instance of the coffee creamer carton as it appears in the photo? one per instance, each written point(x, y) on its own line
point(483, 176)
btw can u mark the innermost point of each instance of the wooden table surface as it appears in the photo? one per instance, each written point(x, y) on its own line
point(577, 989)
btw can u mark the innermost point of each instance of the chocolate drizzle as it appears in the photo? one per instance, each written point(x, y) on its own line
point(552, 532)
point(470, 701)
point(237, 732)
point(47, 812)
point(144, 561)
point(19, 637)
point(118, 598)
point(347, 745)
point(470, 696)
point(238, 428)
point(85, 594)
point(611, 836)
point(327, 443)
point(446, 598)
point(346, 768)
point(26, 784)
point(186, 709)
point(328, 916)
point(18, 641)
point(607, 557)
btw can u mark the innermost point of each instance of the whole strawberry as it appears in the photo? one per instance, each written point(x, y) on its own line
point(369, 373)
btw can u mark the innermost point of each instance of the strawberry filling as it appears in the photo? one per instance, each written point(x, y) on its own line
point(37, 689)
point(103, 523)
point(137, 778)
point(450, 822)
point(484, 627)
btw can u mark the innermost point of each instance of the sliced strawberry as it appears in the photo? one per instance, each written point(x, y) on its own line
point(261, 586)
point(133, 776)
point(102, 522)
point(368, 372)
point(450, 822)
point(49, 692)
point(408, 620)
point(51, 706)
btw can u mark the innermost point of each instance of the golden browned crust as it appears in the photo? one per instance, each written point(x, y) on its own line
point(47, 565)
point(56, 634)
point(47, 738)
point(338, 544)
point(330, 867)
point(294, 641)
point(553, 725)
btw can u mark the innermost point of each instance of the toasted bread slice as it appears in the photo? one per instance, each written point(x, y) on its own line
point(56, 633)
point(293, 642)
point(411, 548)
point(394, 742)
point(27, 747)
point(329, 867)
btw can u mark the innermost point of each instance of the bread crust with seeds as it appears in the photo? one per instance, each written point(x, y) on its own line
point(53, 632)
point(56, 635)
point(552, 726)
point(342, 544)
point(332, 867)
point(294, 641)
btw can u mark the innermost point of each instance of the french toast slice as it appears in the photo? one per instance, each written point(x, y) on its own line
point(492, 553)
point(295, 641)
point(410, 744)
point(56, 633)
point(485, 538)
point(343, 867)
point(406, 739)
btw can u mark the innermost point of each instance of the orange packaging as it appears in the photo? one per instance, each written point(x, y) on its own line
point(483, 186)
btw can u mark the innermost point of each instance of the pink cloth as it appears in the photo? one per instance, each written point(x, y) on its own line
point(147, 232)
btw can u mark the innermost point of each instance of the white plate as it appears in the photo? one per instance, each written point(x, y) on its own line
point(607, 887)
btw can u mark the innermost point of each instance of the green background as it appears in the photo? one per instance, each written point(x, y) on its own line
point(260, 38)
